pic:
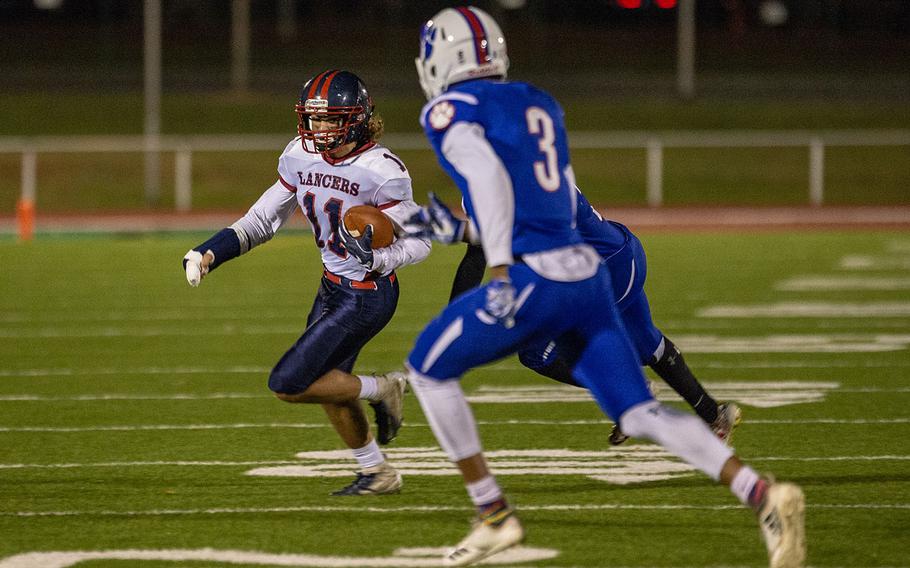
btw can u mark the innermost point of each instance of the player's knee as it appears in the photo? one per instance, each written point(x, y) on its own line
point(553, 368)
point(417, 361)
point(419, 381)
point(287, 384)
point(639, 420)
point(532, 359)
point(286, 397)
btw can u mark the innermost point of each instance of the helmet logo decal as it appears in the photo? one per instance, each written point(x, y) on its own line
point(427, 38)
point(480, 36)
point(314, 105)
point(441, 115)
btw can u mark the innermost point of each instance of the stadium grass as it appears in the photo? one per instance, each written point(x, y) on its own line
point(85, 318)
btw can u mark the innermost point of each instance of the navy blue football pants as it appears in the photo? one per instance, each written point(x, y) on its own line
point(343, 319)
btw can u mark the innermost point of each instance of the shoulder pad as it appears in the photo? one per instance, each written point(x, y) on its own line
point(447, 108)
point(291, 145)
point(384, 163)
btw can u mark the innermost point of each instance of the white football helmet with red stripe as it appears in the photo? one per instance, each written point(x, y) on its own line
point(458, 44)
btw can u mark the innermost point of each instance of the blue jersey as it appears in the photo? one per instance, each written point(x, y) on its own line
point(607, 237)
point(523, 126)
point(505, 146)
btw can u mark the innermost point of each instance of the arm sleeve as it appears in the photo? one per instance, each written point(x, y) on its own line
point(265, 217)
point(470, 271)
point(406, 249)
point(392, 191)
point(489, 185)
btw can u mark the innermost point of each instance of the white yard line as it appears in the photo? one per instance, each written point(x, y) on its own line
point(67, 371)
point(83, 332)
point(247, 396)
point(290, 425)
point(122, 397)
point(689, 343)
point(424, 557)
point(146, 427)
point(870, 262)
point(181, 463)
point(805, 364)
point(429, 509)
point(222, 463)
point(809, 310)
point(818, 283)
point(740, 364)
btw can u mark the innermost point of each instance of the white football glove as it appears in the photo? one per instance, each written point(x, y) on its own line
point(196, 267)
point(437, 222)
point(500, 302)
point(447, 228)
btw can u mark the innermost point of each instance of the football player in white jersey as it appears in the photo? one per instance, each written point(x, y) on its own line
point(335, 164)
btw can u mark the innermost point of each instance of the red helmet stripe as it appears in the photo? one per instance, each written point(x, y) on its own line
point(315, 84)
point(325, 86)
point(480, 36)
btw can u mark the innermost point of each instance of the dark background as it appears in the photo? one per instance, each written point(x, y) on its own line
point(829, 49)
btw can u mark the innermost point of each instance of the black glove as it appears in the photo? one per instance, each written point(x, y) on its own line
point(360, 247)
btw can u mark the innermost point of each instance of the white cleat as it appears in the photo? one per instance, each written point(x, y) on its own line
point(485, 540)
point(382, 479)
point(388, 406)
point(782, 520)
point(728, 418)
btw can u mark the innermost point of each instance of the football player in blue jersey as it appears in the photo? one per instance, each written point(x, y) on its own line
point(504, 144)
point(625, 258)
point(334, 164)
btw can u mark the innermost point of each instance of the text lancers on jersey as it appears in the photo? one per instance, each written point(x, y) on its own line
point(329, 181)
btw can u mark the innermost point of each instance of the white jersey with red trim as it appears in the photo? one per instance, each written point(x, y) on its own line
point(325, 190)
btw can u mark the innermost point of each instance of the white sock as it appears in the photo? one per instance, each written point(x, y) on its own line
point(484, 491)
point(369, 387)
point(683, 435)
point(369, 455)
point(743, 483)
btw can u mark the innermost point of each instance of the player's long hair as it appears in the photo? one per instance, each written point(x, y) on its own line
point(376, 127)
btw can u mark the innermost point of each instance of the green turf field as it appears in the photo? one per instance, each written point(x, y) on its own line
point(132, 408)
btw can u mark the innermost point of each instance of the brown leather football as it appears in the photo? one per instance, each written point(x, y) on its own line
point(357, 218)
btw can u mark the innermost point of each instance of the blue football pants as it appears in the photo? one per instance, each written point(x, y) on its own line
point(463, 336)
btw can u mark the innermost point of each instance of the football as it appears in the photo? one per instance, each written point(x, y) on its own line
point(357, 218)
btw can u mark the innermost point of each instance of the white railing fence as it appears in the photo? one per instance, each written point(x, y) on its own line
point(652, 142)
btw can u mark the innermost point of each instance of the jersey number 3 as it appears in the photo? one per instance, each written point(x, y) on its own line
point(541, 125)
